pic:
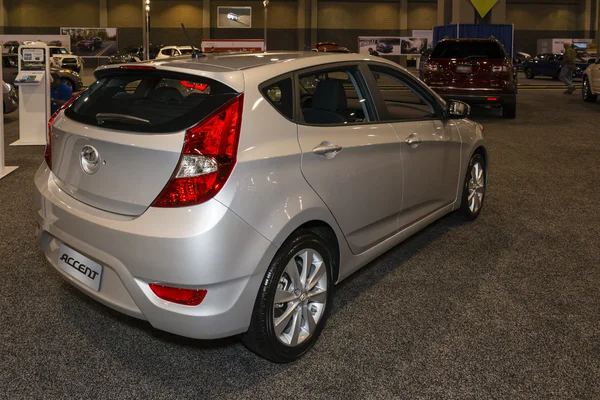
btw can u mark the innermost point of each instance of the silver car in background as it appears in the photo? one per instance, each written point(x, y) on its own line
point(227, 195)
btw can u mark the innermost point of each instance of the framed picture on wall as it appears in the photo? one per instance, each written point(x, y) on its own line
point(234, 17)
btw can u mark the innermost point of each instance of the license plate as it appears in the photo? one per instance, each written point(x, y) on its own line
point(464, 69)
point(80, 267)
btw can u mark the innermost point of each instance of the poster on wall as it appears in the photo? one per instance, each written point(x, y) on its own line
point(413, 45)
point(92, 42)
point(392, 46)
point(11, 43)
point(385, 46)
point(234, 17)
point(424, 33)
point(208, 46)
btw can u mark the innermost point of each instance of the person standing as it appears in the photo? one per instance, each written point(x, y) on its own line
point(568, 67)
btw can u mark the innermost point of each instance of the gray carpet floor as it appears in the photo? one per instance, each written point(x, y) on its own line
point(506, 307)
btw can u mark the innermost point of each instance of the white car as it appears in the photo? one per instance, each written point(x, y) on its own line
point(174, 51)
point(232, 17)
point(591, 82)
point(60, 57)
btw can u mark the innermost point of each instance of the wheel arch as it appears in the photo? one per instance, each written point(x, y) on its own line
point(323, 226)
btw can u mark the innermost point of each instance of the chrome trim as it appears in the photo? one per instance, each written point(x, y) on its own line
point(468, 89)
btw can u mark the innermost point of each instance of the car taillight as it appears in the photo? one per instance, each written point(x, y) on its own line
point(500, 68)
point(48, 151)
point(187, 297)
point(431, 67)
point(207, 159)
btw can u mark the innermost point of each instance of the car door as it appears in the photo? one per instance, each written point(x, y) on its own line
point(430, 145)
point(351, 161)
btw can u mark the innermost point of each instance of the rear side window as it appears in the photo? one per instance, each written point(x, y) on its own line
point(333, 97)
point(468, 50)
point(281, 96)
point(149, 101)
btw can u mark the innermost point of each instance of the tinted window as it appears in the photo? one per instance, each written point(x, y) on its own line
point(58, 51)
point(453, 49)
point(281, 96)
point(150, 101)
point(332, 97)
point(400, 100)
point(185, 51)
point(166, 52)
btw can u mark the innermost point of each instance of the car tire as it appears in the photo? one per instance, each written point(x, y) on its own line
point(529, 73)
point(509, 111)
point(473, 194)
point(289, 278)
point(586, 91)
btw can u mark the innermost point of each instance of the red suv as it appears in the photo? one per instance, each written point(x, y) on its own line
point(476, 71)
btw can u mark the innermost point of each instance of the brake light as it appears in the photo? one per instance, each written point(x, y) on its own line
point(492, 99)
point(207, 159)
point(187, 297)
point(138, 67)
point(48, 151)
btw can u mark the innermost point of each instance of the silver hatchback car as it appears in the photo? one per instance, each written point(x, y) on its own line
point(226, 195)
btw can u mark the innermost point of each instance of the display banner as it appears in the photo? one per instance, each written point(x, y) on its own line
point(92, 42)
point(209, 46)
point(392, 46)
point(11, 43)
point(234, 17)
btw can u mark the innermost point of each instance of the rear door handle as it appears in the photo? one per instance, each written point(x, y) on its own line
point(414, 141)
point(327, 150)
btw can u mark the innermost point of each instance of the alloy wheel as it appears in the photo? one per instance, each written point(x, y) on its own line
point(300, 298)
point(476, 187)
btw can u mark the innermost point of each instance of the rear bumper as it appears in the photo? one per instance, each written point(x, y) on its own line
point(479, 97)
point(205, 247)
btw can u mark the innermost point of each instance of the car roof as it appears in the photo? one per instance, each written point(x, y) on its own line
point(244, 61)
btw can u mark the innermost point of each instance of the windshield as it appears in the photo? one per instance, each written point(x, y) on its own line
point(149, 101)
point(473, 49)
point(58, 51)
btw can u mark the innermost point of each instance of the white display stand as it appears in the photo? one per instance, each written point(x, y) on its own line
point(4, 170)
point(34, 94)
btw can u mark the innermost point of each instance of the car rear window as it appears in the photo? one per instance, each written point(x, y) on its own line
point(149, 101)
point(468, 50)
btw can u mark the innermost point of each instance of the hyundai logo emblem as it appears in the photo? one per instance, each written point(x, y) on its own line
point(90, 159)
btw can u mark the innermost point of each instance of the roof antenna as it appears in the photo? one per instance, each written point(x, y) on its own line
point(195, 53)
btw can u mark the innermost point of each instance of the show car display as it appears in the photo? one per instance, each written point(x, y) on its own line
point(174, 51)
point(591, 82)
point(11, 69)
point(476, 71)
point(159, 170)
point(548, 64)
point(63, 58)
point(133, 54)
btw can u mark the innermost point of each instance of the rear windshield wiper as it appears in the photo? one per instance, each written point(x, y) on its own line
point(103, 117)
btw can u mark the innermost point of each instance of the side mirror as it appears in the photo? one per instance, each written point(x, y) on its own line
point(457, 109)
